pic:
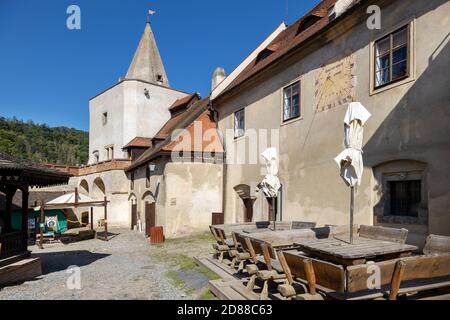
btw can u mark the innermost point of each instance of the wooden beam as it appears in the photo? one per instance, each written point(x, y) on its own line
point(24, 228)
point(310, 276)
point(41, 226)
point(92, 218)
point(397, 279)
point(106, 218)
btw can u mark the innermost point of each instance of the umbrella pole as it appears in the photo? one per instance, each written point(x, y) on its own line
point(274, 212)
point(352, 203)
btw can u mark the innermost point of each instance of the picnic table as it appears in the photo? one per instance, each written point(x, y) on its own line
point(339, 250)
point(278, 238)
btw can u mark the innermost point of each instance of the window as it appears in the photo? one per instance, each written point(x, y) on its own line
point(147, 177)
point(132, 181)
point(392, 57)
point(109, 152)
point(405, 197)
point(105, 118)
point(96, 156)
point(291, 101)
point(239, 123)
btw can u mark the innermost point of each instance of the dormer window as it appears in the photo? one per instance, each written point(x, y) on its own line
point(331, 13)
point(307, 22)
point(263, 54)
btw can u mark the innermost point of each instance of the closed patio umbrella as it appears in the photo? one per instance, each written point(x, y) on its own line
point(350, 160)
point(271, 184)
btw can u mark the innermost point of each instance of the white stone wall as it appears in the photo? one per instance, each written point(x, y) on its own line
point(409, 122)
point(130, 114)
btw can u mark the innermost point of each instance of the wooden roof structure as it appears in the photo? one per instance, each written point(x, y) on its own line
point(23, 173)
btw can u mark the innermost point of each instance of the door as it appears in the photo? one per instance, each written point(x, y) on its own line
point(248, 204)
point(150, 217)
point(133, 215)
point(217, 218)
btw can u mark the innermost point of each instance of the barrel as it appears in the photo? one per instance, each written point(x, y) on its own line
point(156, 235)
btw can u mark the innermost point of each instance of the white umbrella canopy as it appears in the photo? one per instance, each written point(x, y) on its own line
point(68, 201)
point(350, 160)
point(270, 184)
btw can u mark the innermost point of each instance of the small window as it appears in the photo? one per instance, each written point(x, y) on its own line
point(239, 123)
point(405, 197)
point(147, 177)
point(392, 57)
point(132, 181)
point(105, 118)
point(96, 156)
point(291, 101)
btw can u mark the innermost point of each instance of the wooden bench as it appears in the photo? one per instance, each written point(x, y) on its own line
point(397, 276)
point(383, 233)
point(437, 245)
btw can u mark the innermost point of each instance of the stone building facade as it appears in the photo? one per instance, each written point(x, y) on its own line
point(297, 90)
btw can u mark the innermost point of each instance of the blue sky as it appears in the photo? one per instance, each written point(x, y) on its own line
point(48, 73)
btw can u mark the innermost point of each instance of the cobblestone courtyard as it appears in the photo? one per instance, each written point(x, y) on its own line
point(126, 267)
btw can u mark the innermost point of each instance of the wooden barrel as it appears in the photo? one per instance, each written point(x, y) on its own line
point(156, 235)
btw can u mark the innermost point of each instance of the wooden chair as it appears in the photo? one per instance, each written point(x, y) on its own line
point(222, 245)
point(383, 233)
point(302, 225)
point(436, 245)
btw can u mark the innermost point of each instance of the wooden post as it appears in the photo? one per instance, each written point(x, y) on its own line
point(352, 204)
point(284, 265)
point(92, 218)
point(76, 197)
point(105, 203)
point(8, 208)
point(397, 279)
point(274, 212)
point(41, 227)
point(25, 218)
point(310, 275)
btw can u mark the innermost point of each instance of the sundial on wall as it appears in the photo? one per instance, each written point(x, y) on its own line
point(335, 84)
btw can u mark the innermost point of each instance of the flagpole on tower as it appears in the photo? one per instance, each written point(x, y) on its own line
point(150, 13)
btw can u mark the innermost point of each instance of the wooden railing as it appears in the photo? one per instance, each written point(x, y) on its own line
point(12, 243)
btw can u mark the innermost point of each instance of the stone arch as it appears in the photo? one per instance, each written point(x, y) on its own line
point(84, 187)
point(98, 188)
point(148, 196)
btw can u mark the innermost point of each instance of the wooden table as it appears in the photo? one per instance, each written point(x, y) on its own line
point(280, 238)
point(339, 250)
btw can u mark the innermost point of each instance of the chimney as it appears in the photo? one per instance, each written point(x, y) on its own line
point(218, 76)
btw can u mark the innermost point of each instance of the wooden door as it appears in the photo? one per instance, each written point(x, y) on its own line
point(133, 215)
point(217, 218)
point(150, 217)
point(248, 216)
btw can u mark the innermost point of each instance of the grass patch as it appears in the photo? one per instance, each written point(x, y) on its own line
point(207, 295)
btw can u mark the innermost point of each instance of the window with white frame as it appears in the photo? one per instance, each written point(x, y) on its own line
point(239, 123)
point(291, 101)
point(392, 57)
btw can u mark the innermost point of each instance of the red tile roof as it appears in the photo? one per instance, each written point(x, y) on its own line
point(303, 29)
point(185, 101)
point(197, 116)
point(139, 142)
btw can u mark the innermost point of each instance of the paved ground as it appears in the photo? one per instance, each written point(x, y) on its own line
point(126, 267)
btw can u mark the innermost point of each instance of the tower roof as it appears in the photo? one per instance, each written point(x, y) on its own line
point(147, 64)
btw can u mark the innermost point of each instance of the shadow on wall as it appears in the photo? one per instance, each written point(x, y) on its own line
point(59, 261)
point(417, 129)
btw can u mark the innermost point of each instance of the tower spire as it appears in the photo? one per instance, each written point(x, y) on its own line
point(147, 64)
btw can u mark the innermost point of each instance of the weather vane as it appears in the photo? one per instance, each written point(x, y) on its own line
point(150, 13)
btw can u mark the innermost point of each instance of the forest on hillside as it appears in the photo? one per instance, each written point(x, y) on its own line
point(40, 143)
